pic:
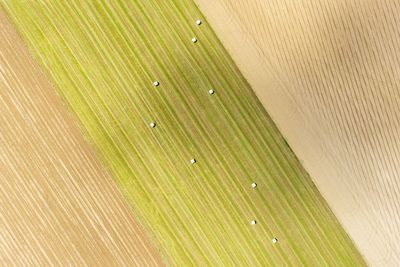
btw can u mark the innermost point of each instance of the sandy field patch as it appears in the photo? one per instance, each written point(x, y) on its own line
point(153, 90)
point(58, 206)
point(328, 74)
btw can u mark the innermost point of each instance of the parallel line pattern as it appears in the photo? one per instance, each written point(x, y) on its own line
point(104, 56)
point(328, 73)
point(58, 205)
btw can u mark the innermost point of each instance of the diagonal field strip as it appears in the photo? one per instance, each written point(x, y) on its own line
point(335, 70)
point(104, 56)
point(58, 205)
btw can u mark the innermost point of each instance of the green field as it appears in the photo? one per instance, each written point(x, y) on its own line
point(103, 57)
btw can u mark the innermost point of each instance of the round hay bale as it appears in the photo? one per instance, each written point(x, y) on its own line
point(193, 161)
point(198, 22)
point(194, 40)
point(153, 125)
point(253, 222)
point(211, 91)
point(253, 185)
point(274, 240)
point(156, 83)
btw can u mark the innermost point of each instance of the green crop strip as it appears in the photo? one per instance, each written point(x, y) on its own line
point(103, 56)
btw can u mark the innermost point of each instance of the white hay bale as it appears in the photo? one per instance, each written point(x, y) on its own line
point(274, 240)
point(153, 125)
point(156, 83)
point(194, 40)
point(211, 91)
point(193, 161)
point(253, 185)
point(253, 222)
point(198, 22)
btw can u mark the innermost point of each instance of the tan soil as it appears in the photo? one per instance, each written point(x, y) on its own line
point(328, 74)
point(58, 206)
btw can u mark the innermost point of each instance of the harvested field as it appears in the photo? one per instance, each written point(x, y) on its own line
point(104, 57)
point(58, 206)
point(328, 73)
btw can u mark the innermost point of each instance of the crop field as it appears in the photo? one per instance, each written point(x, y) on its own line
point(182, 133)
point(328, 74)
point(58, 205)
